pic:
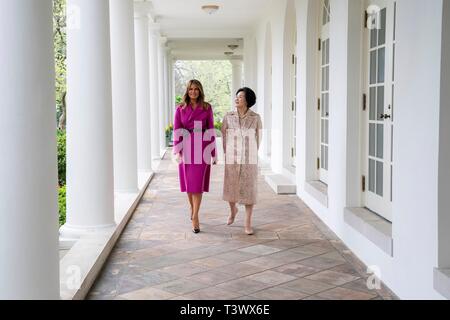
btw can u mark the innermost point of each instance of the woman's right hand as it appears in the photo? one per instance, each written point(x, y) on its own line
point(178, 158)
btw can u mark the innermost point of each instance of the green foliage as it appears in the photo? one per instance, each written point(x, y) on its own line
point(61, 141)
point(218, 126)
point(178, 99)
point(60, 42)
point(62, 205)
point(215, 77)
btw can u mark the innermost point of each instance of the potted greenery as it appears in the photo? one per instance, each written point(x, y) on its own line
point(169, 135)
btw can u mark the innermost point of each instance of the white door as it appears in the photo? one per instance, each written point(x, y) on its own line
point(380, 49)
point(324, 90)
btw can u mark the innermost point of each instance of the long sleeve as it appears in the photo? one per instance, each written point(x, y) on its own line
point(259, 132)
point(177, 132)
point(224, 132)
point(212, 129)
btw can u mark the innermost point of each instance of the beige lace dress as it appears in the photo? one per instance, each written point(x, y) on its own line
point(241, 140)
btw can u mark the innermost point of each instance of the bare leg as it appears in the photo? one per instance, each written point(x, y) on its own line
point(233, 213)
point(248, 219)
point(197, 200)
point(191, 202)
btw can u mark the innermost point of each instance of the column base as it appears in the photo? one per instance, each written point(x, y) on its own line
point(68, 233)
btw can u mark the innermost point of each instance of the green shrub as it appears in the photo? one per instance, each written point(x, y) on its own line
point(218, 127)
point(61, 139)
point(62, 205)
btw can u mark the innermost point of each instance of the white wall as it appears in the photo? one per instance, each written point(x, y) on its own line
point(444, 145)
point(416, 134)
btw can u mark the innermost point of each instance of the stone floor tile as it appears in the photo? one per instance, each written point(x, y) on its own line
point(146, 294)
point(243, 286)
point(260, 250)
point(278, 293)
point(297, 270)
point(181, 286)
point(211, 293)
point(271, 277)
point(212, 277)
point(332, 277)
point(241, 269)
point(307, 286)
point(340, 293)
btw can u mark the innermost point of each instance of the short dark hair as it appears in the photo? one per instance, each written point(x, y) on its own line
point(250, 96)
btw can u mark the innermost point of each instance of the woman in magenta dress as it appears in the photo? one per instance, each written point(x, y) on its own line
point(194, 146)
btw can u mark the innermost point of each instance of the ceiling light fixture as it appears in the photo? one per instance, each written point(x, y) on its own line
point(228, 53)
point(210, 9)
point(233, 46)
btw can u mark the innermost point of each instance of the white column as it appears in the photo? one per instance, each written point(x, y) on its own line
point(236, 81)
point(154, 91)
point(123, 95)
point(143, 89)
point(29, 262)
point(162, 96)
point(90, 183)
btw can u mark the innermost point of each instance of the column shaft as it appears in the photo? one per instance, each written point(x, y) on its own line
point(124, 95)
point(143, 90)
point(154, 94)
point(29, 263)
point(90, 185)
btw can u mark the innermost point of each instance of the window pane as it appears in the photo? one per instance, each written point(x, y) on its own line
point(328, 51)
point(322, 131)
point(379, 178)
point(372, 103)
point(373, 67)
point(392, 104)
point(324, 14)
point(382, 31)
point(323, 107)
point(381, 61)
point(327, 103)
point(393, 62)
point(392, 143)
point(391, 183)
point(372, 139)
point(323, 53)
point(326, 158)
point(373, 38)
point(327, 75)
point(380, 141)
point(322, 157)
point(395, 17)
point(323, 79)
point(326, 131)
point(380, 102)
point(371, 175)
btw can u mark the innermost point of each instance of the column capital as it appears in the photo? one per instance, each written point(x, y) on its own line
point(154, 27)
point(143, 10)
point(163, 41)
point(236, 62)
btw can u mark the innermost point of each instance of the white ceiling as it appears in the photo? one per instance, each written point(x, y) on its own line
point(194, 34)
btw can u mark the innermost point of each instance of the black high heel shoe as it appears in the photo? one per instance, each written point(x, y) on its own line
point(196, 230)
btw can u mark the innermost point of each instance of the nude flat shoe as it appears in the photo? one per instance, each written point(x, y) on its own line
point(248, 231)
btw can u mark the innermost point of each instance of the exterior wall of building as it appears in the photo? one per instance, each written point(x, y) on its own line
point(409, 272)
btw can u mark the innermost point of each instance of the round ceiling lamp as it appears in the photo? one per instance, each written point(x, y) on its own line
point(210, 8)
point(228, 53)
point(233, 46)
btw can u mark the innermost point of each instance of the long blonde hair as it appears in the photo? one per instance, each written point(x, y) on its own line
point(201, 97)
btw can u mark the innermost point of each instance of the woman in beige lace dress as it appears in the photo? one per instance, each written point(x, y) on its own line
point(241, 132)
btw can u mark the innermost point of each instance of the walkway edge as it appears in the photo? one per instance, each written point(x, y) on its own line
point(82, 264)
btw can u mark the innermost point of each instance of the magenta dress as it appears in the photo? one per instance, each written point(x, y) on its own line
point(194, 139)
